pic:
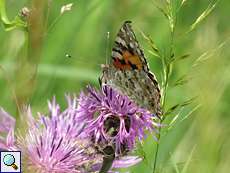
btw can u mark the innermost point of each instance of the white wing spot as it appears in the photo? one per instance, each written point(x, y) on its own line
point(121, 41)
point(116, 55)
point(131, 45)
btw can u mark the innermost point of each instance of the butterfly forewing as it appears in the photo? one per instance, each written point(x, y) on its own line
point(129, 71)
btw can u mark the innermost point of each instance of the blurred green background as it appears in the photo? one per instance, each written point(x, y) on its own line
point(36, 70)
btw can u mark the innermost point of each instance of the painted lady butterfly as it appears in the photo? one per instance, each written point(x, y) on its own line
point(129, 71)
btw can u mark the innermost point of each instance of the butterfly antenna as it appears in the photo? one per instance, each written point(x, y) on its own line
point(82, 60)
point(107, 48)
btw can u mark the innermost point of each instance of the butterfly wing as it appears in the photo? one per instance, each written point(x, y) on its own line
point(129, 71)
point(126, 53)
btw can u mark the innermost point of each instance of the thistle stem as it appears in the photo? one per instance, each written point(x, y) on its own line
point(107, 163)
point(156, 153)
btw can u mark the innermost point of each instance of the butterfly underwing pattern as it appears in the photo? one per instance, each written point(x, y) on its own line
point(129, 72)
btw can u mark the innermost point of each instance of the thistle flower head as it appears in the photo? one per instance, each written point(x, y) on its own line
point(113, 119)
point(51, 143)
point(54, 143)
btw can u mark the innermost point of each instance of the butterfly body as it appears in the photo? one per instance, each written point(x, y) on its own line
point(129, 71)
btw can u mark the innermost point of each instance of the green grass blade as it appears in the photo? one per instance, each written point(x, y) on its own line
point(185, 168)
point(206, 55)
point(203, 15)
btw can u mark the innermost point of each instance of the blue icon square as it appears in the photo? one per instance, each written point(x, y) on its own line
point(10, 162)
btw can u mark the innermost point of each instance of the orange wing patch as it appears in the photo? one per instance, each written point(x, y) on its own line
point(128, 62)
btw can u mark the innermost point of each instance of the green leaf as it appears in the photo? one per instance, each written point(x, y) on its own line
point(203, 15)
point(182, 57)
point(182, 2)
point(154, 54)
point(181, 81)
point(174, 164)
point(155, 51)
point(190, 113)
point(162, 10)
point(179, 105)
point(10, 25)
point(208, 54)
point(185, 168)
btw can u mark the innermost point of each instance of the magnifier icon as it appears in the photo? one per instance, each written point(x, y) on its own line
point(9, 160)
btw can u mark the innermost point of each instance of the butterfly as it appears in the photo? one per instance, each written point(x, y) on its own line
point(129, 72)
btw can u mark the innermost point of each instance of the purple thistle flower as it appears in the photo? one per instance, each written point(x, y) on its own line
point(54, 143)
point(113, 119)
